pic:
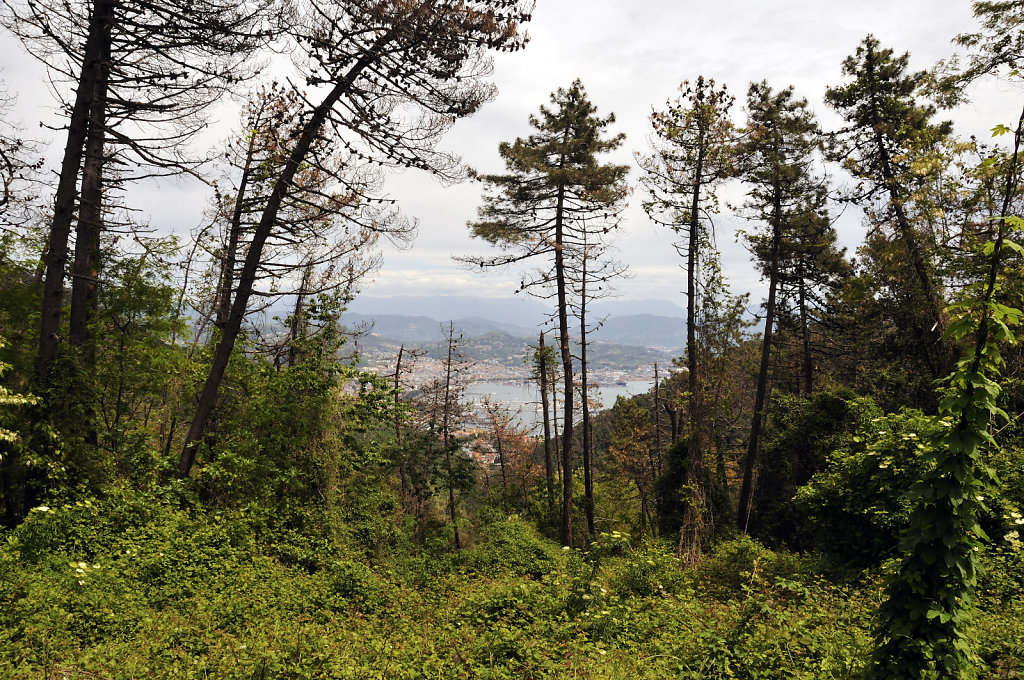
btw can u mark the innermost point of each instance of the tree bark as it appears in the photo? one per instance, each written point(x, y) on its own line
point(694, 450)
point(588, 453)
point(403, 473)
point(805, 332)
point(67, 187)
point(448, 439)
point(657, 419)
point(762, 378)
point(567, 398)
point(229, 258)
point(90, 212)
point(548, 464)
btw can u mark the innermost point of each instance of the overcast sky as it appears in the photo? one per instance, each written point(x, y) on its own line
point(631, 55)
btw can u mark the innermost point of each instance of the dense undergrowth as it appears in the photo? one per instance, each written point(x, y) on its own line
point(132, 586)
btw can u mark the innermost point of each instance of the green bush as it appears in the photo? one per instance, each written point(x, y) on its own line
point(801, 436)
point(647, 571)
point(857, 507)
point(743, 562)
point(514, 547)
point(355, 583)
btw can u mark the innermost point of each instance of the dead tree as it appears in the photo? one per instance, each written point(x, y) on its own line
point(374, 64)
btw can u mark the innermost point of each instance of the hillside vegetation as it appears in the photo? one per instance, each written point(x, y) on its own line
point(826, 485)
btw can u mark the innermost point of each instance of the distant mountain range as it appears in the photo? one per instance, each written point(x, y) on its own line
point(500, 348)
point(655, 324)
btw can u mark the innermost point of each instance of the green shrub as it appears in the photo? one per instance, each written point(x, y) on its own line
point(857, 507)
point(647, 571)
point(742, 562)
point(355, 583)
point(510, 604)
point(801, 436)
point(512, 546)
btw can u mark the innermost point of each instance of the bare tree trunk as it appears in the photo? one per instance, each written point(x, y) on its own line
point(695, 446)
point(90, 214)
point(403, 474)
point(448, 439)
point(554, 425)
point(567, 397)
point(805, 332)
point(96, 45)
point(645, 515)
point(297, 323)
point(229, 258)
point(762, 378)
point(588, 462)
point(548, 466)
point(673, 422)
point(657, 418)
point(501, 460)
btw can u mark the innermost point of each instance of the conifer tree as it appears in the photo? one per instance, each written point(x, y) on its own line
point(142, 75)
point(392, 78)
point(812, 270)
point(555, 195)
point(325, 229)
point(782, 138)
point(886, 129)
point(930, 593)
point(692, 155)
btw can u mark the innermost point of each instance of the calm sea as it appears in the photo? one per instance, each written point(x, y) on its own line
point(525, 398)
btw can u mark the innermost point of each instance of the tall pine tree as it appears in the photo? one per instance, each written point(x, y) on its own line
point(887, 128)
point(782, 141)
point(693, 152)
point(555, 198)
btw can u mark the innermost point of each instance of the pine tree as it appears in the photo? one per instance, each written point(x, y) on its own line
point(143, 75)
point(782, 140)
point(887, 128)
point(555, 198)
point(393, 78)
point(693, 153)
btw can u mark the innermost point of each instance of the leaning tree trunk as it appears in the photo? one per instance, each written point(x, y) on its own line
point(90, 214)
point(97, 44)
point(208, 396)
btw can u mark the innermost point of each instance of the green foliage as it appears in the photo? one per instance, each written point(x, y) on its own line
point(740, 562)
point(8, 399)
point(673, 488)
point(648, 571)
point(802, 436)
point(513, 547)
point(356, 583)
point(856, 507)
point(166, 592)
point(930, 593)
